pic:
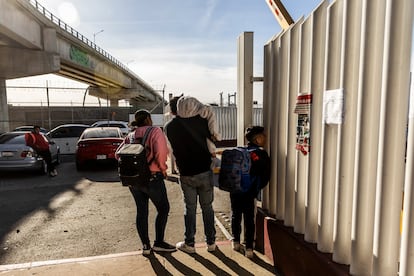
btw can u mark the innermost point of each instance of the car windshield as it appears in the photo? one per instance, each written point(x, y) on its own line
point(12, 138)
point(108, 125)
point(101, 133)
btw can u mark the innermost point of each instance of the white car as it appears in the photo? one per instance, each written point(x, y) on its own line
point(121, 124)
point(66, 136)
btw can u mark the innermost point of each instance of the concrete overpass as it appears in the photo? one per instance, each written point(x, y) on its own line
point(33, 42)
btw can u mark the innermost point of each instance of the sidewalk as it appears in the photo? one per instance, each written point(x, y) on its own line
point(224, 261)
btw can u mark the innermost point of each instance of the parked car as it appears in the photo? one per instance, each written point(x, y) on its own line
point(97, 144)
point(16, 155)
point(29, 128)
point(121, 124)
point(66, 136)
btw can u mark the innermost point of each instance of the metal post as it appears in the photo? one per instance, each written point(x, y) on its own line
point(273, 135)
point(303, 161)
point(349, 81)
point(267, 122)
point(244, 84)
point(48, 105)
point(282, 106)
point(291, 158)
point(94, 36)
point(330, 140)
point(4, 109)
point(370, 76)
point(316, 82)
point(407, 243)
point(393, 120)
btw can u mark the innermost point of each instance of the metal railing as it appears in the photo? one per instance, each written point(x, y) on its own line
point(62, 25)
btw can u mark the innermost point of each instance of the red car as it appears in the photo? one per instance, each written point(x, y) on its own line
point(97, 144)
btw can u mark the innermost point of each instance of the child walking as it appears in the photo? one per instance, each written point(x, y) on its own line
point(243, 203)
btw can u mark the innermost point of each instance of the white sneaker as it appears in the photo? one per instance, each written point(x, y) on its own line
point(185, 247)
point(53, 173)
point(211, 247)
point(249, 253)
point(146, 249)
point(235, 245)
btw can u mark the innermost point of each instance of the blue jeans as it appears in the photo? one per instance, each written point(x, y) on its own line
point(201, 186)
point(158, 194)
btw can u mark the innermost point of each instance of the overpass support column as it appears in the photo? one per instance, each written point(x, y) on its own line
point(4, 109)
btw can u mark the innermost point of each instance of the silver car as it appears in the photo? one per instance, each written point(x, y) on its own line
point(16, 155)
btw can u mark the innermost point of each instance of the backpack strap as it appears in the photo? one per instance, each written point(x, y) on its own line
point(144, 138)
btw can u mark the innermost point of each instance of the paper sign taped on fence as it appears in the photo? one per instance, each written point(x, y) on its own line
point(302, 108)
point(303, 104)
point(333, 102)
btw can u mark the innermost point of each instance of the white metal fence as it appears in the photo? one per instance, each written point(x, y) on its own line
point(346, 194)
point(226, 118)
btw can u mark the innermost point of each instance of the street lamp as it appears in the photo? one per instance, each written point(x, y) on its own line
point(95, 34)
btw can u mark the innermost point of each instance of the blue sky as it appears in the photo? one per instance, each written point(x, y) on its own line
point(187, 45)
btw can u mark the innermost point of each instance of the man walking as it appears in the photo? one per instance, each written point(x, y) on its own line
point(188, 139)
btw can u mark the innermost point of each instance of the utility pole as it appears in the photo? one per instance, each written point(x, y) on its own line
point(94, 36)
point(48, 105)
point(229, 99)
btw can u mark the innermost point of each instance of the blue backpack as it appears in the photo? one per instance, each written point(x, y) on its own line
point(235, 167)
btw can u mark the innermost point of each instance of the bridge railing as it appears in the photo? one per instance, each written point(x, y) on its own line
point(62, 25)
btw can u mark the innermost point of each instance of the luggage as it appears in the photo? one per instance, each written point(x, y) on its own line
point(133, 167)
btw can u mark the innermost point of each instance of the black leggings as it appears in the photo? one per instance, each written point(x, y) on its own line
point(47, 156)
point(242, 204)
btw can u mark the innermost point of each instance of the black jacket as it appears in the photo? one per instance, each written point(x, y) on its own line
point(188, 139)
point(260, 168)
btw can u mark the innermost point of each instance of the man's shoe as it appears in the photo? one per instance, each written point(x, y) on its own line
point(146, 249)
point(211, 247)
point(163, 247)
point(235, 245)
point(55, 172)
point(249, 253)
point(185, 247)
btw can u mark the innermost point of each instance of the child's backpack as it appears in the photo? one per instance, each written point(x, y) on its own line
point(235, 170)
point(133, 167)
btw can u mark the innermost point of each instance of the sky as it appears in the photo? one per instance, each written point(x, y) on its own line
point(186, 46)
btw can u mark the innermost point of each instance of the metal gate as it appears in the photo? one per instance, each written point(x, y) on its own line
point(344, 70)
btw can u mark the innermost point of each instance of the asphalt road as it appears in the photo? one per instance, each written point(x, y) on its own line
point(81, 214)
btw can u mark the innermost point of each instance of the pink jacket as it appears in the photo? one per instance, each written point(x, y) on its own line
point(157, 144)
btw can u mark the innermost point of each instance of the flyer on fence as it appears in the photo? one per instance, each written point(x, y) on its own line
point(302, 108)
